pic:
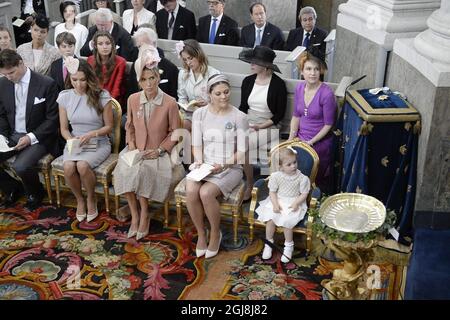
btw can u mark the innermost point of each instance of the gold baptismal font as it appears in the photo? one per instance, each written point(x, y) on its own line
point(351, 213)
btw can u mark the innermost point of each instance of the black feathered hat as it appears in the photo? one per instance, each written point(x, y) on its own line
point(260, 55)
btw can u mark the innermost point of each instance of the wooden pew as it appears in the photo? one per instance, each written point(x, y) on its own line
point(291, 84)
point(225, 58)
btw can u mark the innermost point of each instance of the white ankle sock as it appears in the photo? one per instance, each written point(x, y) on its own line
point(287, 252)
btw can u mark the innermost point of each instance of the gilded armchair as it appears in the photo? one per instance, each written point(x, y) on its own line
point(308, 163)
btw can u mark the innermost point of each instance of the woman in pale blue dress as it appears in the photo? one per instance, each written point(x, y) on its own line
point(219, 138)
point(88, 109)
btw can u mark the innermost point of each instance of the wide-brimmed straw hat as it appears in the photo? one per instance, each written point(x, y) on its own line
point(260, 55)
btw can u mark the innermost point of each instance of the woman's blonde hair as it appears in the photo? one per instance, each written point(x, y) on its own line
point(307, 56)
point(154, 70)
point(192, 48)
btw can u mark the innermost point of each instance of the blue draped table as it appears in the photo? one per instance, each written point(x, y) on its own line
point(377, 142)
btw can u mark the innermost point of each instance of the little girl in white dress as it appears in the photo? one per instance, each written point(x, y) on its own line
point(286, 205)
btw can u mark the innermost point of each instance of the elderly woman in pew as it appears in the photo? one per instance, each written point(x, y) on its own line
point(145, 38)
point(103, 4)
point(152, 119)
point(219, 139)
point(38, 55)
point(314, 114)
point(88, 109)
point(109, 67)
point(263, 98)
point(193, 78)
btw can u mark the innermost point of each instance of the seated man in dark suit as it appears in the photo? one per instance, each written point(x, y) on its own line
point(174, 22)
point(104, 22)
point(217, 27)
point(29, 120)
point(308, 35)
point(261, 32)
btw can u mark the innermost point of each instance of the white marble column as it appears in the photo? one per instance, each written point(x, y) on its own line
point(434, 43)
point(383, 21)
point(367, 29)
point(420, 67)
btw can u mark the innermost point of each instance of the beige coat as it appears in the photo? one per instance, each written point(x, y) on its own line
point(49, 54)
point(157, 130)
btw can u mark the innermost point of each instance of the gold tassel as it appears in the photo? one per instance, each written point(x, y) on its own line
point(365, 129)
point(417, 127)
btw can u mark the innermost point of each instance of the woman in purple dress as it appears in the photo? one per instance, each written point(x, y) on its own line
point(314, 115)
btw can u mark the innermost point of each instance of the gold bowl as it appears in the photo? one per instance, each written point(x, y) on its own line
point(352, 212)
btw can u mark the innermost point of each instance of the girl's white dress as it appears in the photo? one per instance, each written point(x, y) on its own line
point(287, 188)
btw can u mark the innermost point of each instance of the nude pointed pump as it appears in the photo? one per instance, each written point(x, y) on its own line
point(209, 253)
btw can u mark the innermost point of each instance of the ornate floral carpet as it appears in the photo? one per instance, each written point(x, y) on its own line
point(255, 279)
point(48, 254)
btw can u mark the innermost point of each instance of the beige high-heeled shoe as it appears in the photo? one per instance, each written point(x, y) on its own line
point(201, 252)
point(81, 217)
point(92, 216)
point(141, 235)
point(209, 253)
point(131, 233)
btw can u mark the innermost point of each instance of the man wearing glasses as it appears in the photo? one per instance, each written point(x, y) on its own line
point(308, 35)
point(217, 27)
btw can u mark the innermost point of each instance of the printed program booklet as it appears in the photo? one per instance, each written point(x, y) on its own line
point(191, 106)
point(132, 157)
point(4, 144)
point(203, 171)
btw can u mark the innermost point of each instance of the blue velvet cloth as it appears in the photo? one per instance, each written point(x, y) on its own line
point(393, 101)
point(382, 162)
point(428, 273)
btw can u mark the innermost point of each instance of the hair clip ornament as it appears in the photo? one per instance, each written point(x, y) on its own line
point(71, 64)
point(292, 149)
